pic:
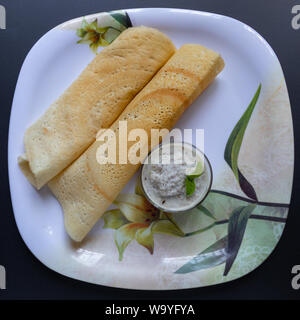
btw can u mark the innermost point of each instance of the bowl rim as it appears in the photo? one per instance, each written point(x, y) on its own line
point(177, 210)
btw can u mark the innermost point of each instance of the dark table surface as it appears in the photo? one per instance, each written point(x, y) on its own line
point(27, 21)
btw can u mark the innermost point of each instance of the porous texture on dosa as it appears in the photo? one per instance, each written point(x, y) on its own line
point(93, 101)
point(86, 188)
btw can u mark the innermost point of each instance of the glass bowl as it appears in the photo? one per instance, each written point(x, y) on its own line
point(150, 198)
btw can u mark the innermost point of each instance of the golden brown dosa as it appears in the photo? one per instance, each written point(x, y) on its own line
point(93, 101)
point(86, 188)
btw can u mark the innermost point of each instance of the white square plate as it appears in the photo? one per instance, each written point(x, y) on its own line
point(266, 157)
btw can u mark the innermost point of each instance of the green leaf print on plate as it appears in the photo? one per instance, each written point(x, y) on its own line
point(210, 257)
point(227, 215)
point(236, 229)
point(233, 211)
point(233, 146)
point(122, 17)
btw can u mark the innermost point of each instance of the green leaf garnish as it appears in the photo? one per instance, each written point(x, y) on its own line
point(190, 185)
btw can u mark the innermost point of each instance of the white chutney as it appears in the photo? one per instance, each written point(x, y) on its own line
point(164, 174)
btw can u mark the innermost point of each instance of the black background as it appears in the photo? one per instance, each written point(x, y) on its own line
point(27, 21)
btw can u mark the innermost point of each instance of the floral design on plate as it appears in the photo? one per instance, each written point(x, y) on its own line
point(96, 34)
point(137, 219)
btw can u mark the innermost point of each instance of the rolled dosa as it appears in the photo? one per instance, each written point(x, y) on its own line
point(93, 101)
point(86, 188)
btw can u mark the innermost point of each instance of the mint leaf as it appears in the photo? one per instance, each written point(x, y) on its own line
point(189, 186)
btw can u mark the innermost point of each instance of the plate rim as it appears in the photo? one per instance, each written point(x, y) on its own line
point(13, 108)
